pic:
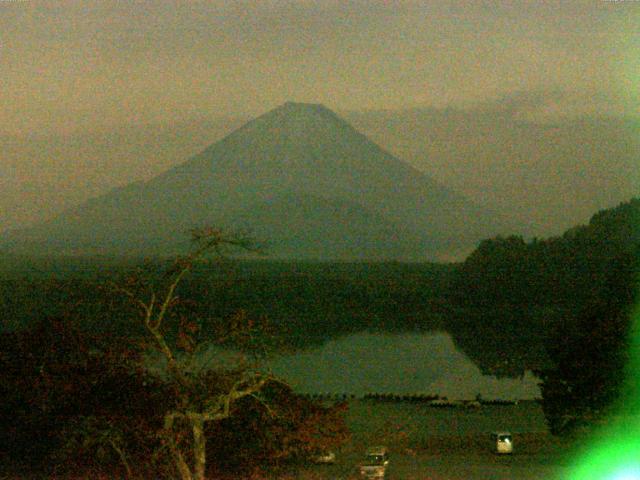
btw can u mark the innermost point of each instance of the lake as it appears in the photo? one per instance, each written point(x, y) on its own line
point(395, 363)
point(406, 363)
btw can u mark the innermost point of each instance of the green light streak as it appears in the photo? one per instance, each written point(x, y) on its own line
point(613, 453)
point(611, 457)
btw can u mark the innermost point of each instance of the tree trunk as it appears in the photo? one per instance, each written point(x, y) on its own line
point(183, 468)
point(181, 465)
point(123, 459)
point(199, 447)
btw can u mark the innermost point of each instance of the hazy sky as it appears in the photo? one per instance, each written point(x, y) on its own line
point(67, 65)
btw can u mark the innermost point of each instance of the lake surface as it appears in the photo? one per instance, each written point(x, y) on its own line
point(397, 363)
point(364, 362)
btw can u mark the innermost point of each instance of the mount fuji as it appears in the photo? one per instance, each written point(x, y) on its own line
point(299, 177)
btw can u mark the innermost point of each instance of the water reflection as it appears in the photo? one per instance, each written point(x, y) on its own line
point(397, 363)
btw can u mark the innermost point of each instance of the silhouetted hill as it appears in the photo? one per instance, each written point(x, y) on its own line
point(298, 176)
point(509, 296)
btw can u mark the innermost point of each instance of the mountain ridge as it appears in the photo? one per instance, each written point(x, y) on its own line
point(296, 149)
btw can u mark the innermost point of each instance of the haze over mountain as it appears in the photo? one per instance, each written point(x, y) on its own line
point(298, 176)
point(99, 94)
point(524, 156)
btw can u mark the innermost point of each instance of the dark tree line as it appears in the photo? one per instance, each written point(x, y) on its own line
point(313, 302)
point(562, 306)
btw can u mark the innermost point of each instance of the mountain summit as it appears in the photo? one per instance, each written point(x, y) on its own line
point(299, 177)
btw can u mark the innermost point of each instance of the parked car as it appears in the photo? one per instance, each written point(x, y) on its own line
point(502, 442)
point(376, 463)
point(324, 458)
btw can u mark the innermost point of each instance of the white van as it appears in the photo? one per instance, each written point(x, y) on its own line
point(502, 442)
point(376, 463)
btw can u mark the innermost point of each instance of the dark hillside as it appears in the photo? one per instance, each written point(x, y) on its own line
point(509, 294)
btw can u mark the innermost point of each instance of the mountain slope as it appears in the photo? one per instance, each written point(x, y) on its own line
point(298, 168)
point(550, 173)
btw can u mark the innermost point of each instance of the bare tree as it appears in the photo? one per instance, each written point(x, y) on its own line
point(202, 395)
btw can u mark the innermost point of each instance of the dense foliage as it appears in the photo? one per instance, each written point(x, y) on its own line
point(55, 377)
point(572, 295)
point(589, 352)
point(76, 402)
point(512, 293)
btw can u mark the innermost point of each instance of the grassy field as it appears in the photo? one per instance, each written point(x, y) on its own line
point(416, 424)
point(447, 443)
